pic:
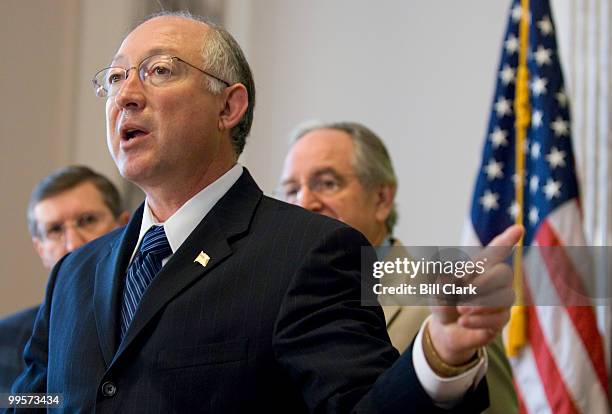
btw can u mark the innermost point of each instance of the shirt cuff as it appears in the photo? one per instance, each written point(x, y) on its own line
point(445, 392)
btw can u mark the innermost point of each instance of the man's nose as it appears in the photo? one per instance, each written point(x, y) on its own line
point(309, 200)
point(131, 92)
point(73, 239)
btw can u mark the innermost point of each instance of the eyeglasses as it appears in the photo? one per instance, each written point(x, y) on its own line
point(323, 185)
point(155, 70)
point(86, 224)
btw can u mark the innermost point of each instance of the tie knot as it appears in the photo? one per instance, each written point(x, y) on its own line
point(155, 242)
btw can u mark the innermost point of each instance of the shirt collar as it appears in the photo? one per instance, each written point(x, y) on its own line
point(180, 225)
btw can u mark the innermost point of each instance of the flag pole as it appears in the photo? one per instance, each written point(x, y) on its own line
point(517, 328)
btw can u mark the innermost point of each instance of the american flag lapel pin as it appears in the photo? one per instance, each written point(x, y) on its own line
point(202, 259)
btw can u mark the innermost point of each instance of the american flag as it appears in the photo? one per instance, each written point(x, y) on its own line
point(562, 367)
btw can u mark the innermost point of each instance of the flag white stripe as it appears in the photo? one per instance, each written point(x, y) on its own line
point(567, 349)
point(529, 383)
point(572, 359)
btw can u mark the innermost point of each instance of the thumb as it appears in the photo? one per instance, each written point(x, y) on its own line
point(500, 247)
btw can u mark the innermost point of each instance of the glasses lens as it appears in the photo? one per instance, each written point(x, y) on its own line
point(53, 232)
point(87, 222)
point(108, 81)
point(157, 69)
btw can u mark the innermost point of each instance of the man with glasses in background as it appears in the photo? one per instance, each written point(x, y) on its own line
point(68, 208)
point(343, 170)
point(216, 298)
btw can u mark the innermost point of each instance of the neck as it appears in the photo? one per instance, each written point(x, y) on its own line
point(164, 200)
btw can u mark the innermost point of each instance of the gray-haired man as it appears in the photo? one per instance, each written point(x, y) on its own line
point(343, 170)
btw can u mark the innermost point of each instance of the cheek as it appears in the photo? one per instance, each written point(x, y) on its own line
point(336, 208)
point(351, 209)
point(111, 124)
point(111, 114)
point(103, 230)
point(53, 254)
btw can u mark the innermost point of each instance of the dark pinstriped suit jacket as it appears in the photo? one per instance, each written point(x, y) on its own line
point(15, 331)
point(272, 324)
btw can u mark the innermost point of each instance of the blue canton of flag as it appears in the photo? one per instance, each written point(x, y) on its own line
point(550, 178)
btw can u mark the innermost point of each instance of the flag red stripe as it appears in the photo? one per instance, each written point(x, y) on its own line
point(521, 403)
point(565, 277)
point(559, 398)
point(563, 274)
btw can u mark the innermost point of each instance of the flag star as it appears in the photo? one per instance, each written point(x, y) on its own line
point(536, 119)
point(517, 11)
point(512, 44)
point(503, 107)
point(494, 170)
point(534, 215)
point(560, 126)
point(535, 150)
point(561, 98)
point(545, 26)
point(551, 189)
point(489, 200)
point(499, 137)
point(507, 74)
point(542, 56)
point(538, 86)
point(534, 183)
point(513, 210)
point(556, 158)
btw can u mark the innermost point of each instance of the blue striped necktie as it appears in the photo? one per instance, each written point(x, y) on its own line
point(146, 264)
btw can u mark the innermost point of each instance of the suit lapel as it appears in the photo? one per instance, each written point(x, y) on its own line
point(229, 218)
point(391, 313)
point(110, 273)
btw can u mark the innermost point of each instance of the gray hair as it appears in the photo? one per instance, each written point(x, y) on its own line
point(223, 57)
point(371, 160)
point(67, 178)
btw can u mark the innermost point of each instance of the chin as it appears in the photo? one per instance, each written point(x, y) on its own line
point(130, 172)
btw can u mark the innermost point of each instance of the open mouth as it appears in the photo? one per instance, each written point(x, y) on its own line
point(130, 133)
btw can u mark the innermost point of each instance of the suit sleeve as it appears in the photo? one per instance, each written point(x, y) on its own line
point(336, 349)
point(34, 377)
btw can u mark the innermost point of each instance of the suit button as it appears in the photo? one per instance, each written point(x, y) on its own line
point(109, 389)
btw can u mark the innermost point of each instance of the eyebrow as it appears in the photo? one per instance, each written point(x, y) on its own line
point(151, 52)
point(316, 173)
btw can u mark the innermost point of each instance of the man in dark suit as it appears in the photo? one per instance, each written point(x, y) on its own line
point(68, 208)
point(218, 299)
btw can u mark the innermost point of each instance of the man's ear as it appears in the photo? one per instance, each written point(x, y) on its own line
point(385, 195)
point(236, 104)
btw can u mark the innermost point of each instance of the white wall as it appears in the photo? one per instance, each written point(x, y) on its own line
point(419, 73)
point(49, 116)
point(36, 67)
